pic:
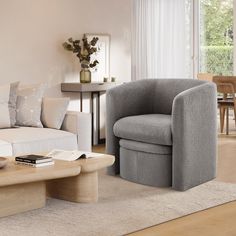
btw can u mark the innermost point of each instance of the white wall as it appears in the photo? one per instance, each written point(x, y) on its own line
point(32, 31)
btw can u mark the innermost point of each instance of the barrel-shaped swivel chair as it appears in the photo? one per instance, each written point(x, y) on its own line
point(163, 132)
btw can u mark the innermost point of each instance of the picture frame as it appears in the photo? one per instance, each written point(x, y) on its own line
point(103, 56)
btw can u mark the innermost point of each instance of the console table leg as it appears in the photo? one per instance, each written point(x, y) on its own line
point(92, 115)
point(81, 102)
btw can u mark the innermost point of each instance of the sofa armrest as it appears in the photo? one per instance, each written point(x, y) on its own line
point(129, 99)
point(194, 130)
point(79, 123)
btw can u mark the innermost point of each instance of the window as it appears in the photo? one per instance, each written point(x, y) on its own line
point(216, 37)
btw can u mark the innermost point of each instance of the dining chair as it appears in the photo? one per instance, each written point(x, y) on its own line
point(226, 85)
point(205, 76)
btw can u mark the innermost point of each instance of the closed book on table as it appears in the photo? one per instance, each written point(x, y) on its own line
point(49, 163)
point(34, 159)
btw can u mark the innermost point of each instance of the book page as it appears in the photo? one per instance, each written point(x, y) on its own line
point(71, 155)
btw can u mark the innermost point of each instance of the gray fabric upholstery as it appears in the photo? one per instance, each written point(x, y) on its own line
point(151, 128)
point(136, 166)
point(125, 100)
point(192, 106)
point(139, 98)
point(145, 147)
point(194, 129)
point(28, 140)
point(165, 92)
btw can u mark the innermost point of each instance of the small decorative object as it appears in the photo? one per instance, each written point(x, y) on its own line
point(83, 52)
point(3, 162)
point(105, 79)
point(113, 79)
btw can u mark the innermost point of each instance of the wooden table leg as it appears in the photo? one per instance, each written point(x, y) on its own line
point(22, 197)
point(227, 120)
point(222, 118)
point(82, 188)
point(88, 185)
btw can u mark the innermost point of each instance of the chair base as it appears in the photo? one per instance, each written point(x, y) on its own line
point(146, 168)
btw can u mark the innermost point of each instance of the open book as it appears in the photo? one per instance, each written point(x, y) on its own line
point(71, 155)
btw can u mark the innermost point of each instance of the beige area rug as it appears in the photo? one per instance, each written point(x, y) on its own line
point(123, 207)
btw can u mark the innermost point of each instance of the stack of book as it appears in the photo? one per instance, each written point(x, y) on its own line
point(34, 160)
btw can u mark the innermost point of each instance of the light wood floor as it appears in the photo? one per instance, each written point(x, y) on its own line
point(217, 221)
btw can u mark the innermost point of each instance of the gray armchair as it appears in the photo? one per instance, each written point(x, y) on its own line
point(163, 132)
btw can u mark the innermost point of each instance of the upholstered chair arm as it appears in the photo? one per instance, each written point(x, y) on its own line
point(194, 130)
point(79, 123)
point(129, 99)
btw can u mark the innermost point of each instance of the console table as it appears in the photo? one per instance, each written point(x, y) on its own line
point(94, 89)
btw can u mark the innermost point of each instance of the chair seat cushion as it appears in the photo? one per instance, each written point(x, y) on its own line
point(150, 128)
point(146, 147)
point(28, 140)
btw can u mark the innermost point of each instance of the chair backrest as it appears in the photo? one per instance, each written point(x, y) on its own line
point(225, 84)
point(205, 76)
point(166, 90)
point(225, 88)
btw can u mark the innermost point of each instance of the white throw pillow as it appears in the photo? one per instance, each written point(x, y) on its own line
point(54, 111)
point(12, 102)
point(28, 106)
point(8, 96)
point(5, 121)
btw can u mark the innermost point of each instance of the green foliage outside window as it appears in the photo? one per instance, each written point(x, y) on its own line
point(216, 36)
point(217, 60)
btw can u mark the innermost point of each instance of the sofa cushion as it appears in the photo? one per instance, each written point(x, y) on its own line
point(8, 105)
point(27, 140)
point(5, 148)
point(151, 128)
point(12, 102)
point(28, 106)
point(145, 147)
point(54, 111)
point(5, 121)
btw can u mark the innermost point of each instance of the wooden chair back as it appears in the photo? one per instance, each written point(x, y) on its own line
point(205, 76)
point(225, 84)
point(225, 88)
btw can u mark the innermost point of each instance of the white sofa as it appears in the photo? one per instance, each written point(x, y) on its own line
point(74, 134)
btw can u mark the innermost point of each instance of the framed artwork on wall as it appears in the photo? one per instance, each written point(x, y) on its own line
point(103, 56)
